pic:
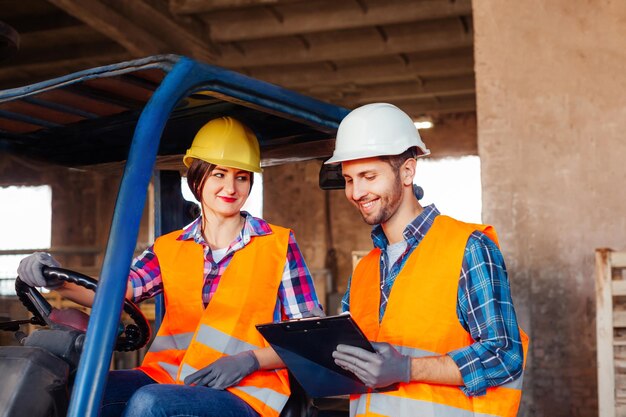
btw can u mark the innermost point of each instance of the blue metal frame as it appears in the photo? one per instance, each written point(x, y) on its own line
point(164, 62)
point(186, 77)
point(107, 307)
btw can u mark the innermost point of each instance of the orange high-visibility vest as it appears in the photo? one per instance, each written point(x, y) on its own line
point(420, 320)
point(191, 337)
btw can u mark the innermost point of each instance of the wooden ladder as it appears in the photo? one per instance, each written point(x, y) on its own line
point(611, 332)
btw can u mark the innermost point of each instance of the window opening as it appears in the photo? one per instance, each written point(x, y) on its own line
point(25, 226)
point(453, 185)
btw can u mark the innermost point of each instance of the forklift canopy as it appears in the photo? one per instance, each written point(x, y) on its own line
point(120, 112)
point(89, 117)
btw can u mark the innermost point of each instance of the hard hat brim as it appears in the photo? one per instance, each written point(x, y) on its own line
point(189, 157)
point(339, 157)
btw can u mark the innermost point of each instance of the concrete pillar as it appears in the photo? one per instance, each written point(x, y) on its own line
point(551, 99)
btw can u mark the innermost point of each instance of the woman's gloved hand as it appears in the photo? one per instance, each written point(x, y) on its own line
point(376, 370)
point(226, 371)
point(30, 273)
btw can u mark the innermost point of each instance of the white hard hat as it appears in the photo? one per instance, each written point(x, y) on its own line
point(375, 129)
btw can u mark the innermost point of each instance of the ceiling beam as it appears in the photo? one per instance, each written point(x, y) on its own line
point(42, 22)
point(297, 152)
point(180, 37)
point(39, 65)
point(412, 90)
point(379, 70)
point(48, 56)
point(453, 135)
point(416, 108)
point(12, 9)
point(203, 6)
point(61, 37)
point(113, 25)
point(353, 44)
point(319, 16)
point(406, 90)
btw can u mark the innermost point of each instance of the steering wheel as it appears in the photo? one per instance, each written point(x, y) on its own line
point(134, 336)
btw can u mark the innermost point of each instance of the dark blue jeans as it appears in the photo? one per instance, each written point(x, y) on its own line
point(132, 393)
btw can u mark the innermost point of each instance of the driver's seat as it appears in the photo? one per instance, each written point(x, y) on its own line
point(299, 404)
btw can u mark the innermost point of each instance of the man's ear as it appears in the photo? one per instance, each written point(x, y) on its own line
point(407, 171)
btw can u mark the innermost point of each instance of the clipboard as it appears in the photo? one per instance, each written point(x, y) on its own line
point(306, 347)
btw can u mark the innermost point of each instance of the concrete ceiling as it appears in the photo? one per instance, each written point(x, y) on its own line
point(414, 53)
point(417, 54)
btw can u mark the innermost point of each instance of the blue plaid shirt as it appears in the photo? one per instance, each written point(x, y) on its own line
point(484, 306)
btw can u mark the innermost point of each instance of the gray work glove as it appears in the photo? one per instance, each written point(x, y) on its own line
point(314, 312)
point(226, 371)
point(376, 370)
point(29, 270)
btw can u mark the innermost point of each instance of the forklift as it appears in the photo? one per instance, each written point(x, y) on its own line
point(142, 114)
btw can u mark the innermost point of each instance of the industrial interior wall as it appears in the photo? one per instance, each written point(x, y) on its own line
point(78, 215)
point(551, 101)
point(83, 200)
point(82, 204)
point(82, 209)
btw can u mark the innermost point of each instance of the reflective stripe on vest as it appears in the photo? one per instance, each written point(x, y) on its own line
point(177, 342)
point(185, 371)
point(426, 290)
point(392, 406)
point(357, 406)
point(218, 341)
point(273, 399)
point(221, 341)
point(192, 337)
point(172, 370)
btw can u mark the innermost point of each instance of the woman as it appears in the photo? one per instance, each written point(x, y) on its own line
point(221, 275)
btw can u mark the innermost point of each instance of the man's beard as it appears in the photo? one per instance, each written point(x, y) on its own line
point(389, 205)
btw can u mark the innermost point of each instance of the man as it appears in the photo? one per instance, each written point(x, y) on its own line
point(433, 295)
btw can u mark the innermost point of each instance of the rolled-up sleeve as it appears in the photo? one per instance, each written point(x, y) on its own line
point(145, 276)
point(485, 309)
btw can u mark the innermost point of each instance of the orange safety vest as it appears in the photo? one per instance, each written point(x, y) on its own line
point(191, 337)
point(420, 320)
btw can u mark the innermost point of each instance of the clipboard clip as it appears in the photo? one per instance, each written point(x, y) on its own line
point(305, 325)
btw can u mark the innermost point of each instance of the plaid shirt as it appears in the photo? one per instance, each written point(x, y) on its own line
point(484, 306)
point(296, 293)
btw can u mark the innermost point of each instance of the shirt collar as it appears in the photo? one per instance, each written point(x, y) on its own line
point(413, 233)
point(253, 226)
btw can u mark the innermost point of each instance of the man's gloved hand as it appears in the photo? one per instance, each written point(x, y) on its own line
point(376, 370)
point(226, 371)
point(29, 270)
point(314, 312)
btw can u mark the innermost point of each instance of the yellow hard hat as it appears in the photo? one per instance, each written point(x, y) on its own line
point(228, 142)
